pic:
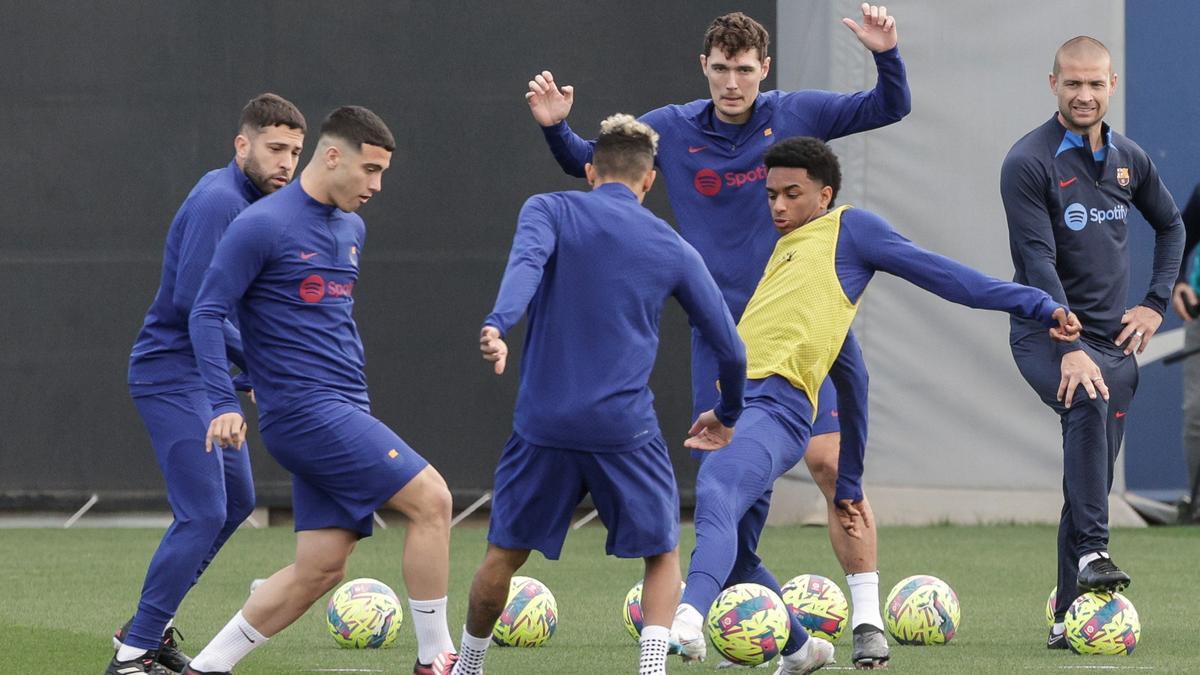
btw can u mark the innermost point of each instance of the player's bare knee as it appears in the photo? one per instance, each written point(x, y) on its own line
point(425, 500)
point(822, 461)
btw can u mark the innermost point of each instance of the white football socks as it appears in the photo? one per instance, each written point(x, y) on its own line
point(654, 650)
point(1058, 629)
point(237, 639)
point(864, 599)
point(1089, 557)
point(430, 627)
point(470, 654)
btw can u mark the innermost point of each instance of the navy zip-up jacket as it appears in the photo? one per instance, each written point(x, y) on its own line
point(1067, 210)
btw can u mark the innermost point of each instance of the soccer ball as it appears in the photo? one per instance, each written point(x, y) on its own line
point(632, 614)
point(819, 604)
point(1102, 623)
point(922, 610)
point(530, 617)
point(748, 624)
point(1050, 607)
point(364, 614)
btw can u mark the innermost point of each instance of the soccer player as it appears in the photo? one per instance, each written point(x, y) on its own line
point(711, 159)
point(210, 493)
point(592, 270)
point(288, 266)
point(1068, 187)
point(797, 331)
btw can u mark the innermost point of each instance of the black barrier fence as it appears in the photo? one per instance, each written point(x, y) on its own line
point(111, 111)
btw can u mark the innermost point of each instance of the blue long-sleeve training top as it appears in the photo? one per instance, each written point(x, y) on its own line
point(287, 266)
point(868, 244)
point(1067, 210)
point(714, 171)
point(592, 271)
point(162, 358)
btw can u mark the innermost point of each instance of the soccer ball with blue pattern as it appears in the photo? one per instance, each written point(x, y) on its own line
point(364, 614)
point(922, 610)
point(1102, 623)
point(529, 618)
point(748, 624)
point(1050, 602)
point(632, 614)
point(818, 604)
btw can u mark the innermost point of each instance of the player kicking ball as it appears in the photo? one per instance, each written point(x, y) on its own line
point(796, 328)
point(288, 266)
point(592, 270)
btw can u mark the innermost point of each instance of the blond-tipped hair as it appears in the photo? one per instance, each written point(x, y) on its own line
point(625, 148)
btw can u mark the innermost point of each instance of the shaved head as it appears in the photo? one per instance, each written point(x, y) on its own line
point(1082, 47)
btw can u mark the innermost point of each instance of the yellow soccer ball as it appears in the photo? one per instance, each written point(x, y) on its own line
point(922, 610)
point(364, 614)
point(529, 618)
point(819, 605)
point(1103, 623)
point(748, 624)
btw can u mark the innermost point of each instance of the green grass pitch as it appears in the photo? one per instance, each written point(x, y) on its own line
point(63, 592)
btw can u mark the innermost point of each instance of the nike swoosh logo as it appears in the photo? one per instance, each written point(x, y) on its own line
point(1119, 414)
point(423, 611)
point(244, 635)
point(1069, 181)
point(696, 148)
point(307, 256)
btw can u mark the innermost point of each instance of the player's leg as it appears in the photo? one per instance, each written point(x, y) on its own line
point(660, 597)
point(770, 440)
point(857, 556)
point(535, 493)
point(1083, 527)
point(321, 556)
point(239, 499)
point(637, 500)
point(196, 493)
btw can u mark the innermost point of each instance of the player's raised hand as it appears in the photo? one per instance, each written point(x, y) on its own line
point(1141, 323)
point(493, 348)
point(852, 517)
point(1079, 369)
point(549, 103)
point(227, 430)
point(708, 434)
point(1183, 298)
point(878, 29)
point(1068, 328)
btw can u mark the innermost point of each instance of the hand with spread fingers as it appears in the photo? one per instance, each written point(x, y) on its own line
point(548, 103)
point(1079, 369)
point(1141, 323)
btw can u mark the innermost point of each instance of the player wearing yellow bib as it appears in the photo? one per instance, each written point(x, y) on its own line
point(797, 331)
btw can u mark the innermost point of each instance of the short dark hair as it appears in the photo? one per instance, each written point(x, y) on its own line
point(810, 154)
point(269, 110)
point(357, 125)
point(1078, 46)
point(625, 147)
point(735, 33)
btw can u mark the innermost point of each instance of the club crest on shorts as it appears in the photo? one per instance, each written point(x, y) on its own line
point(1123, 176)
